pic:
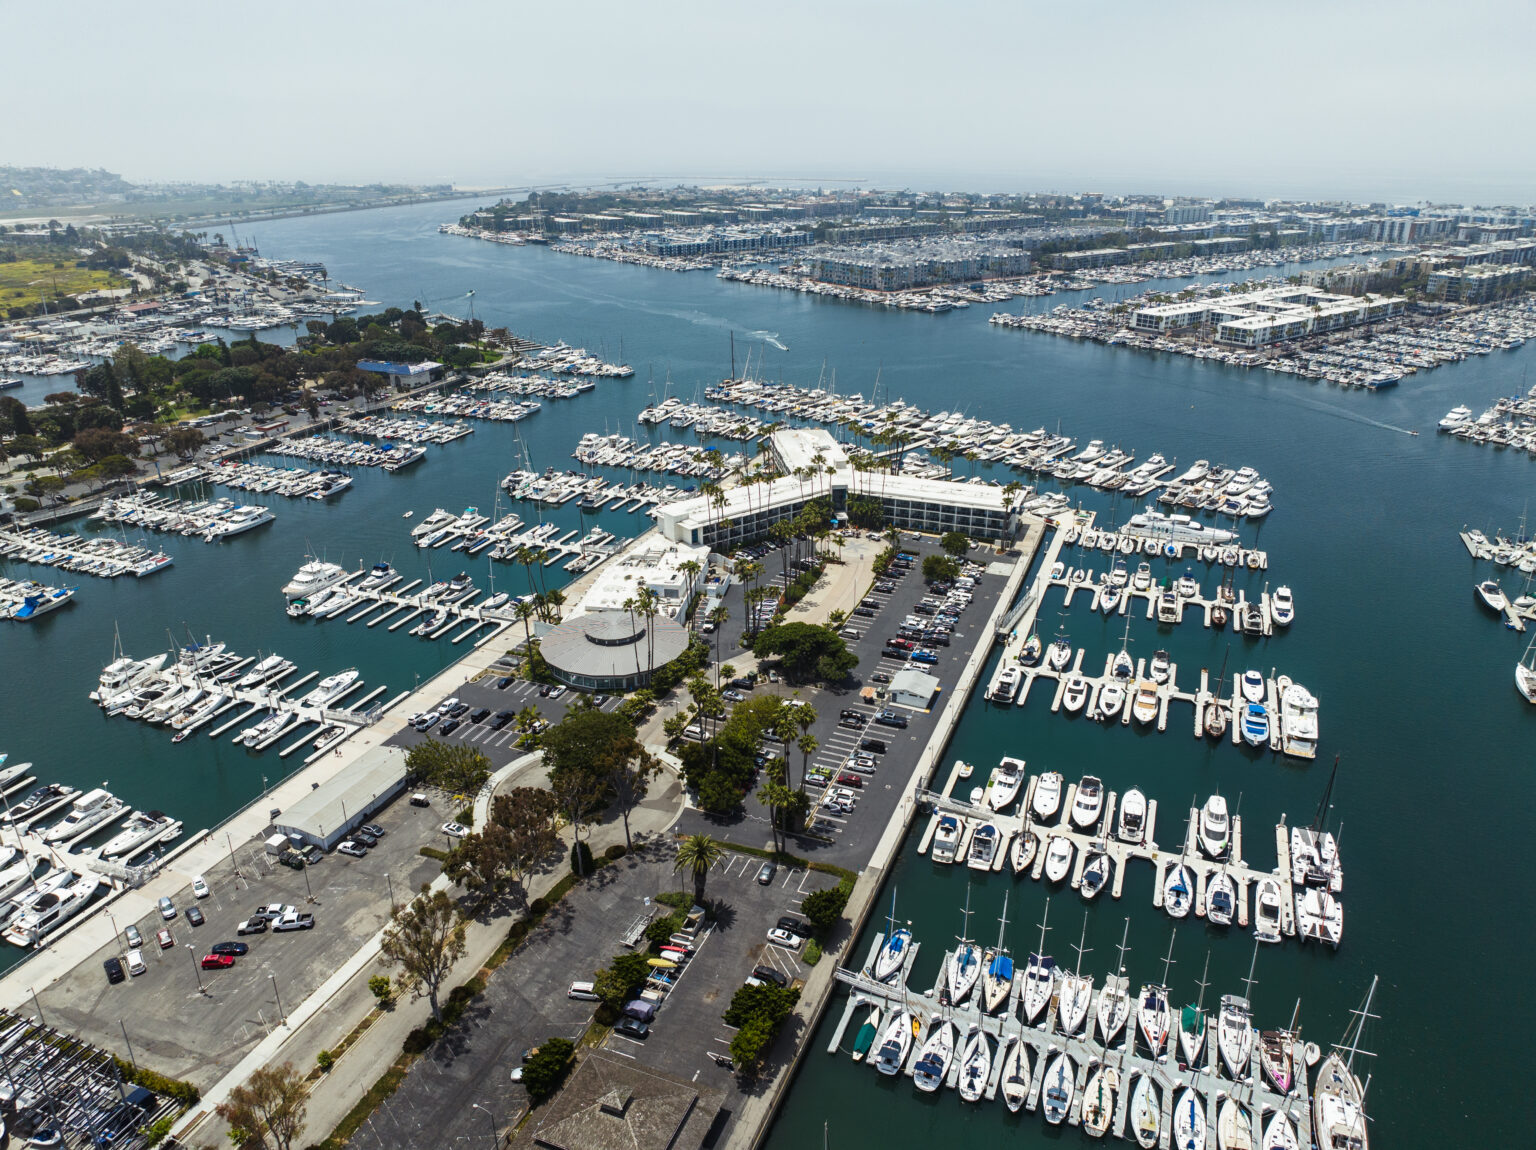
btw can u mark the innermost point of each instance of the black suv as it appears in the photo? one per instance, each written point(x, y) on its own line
point(874, 746)
point(501, 720)
point(481, 715)
point(446, 729)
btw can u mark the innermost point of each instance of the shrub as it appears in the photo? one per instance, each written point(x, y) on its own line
point(615, 852)
point(25, 503)
point(417, 1041)
point(538, 908)
point(183, 1092)
point(154, 1135)
point(546, 1069)
point(379, 985)
point(581, 858)
point(677, 899)
point(823, 907)
point(812, 953)
point(325, 1060)
point(665, 927)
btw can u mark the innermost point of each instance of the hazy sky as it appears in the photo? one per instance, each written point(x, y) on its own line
point(1394, 100)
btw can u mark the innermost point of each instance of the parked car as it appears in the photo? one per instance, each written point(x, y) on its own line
point(865, 612)
point(114, 969)
point(879, 677)
point(455, 830)
point(873, 746)
point(355, 849)
point(429, 722)
point(236, 948)
point(732, 696)
point(448, 728)
point(480, 715)
point(165, 939)
point(136, 965)
point(134, 938)
point(420, 800)
point(252, 926)
point(216, 961)
point(849, 779)
point(785, 939)
point(195, 916)
point(167, 909)
point(458, 710)
point(504, 682)
point(891, 719)
point(794, 925)
point(373, 829)
point(766, 873)
point(765, 974)
point(200, 887)
point(633, 1028)
point(501, 719)
point(294, 921)
point(849, 713)
point(365, 838)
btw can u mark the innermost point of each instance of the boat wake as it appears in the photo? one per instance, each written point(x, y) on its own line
point(769, 337)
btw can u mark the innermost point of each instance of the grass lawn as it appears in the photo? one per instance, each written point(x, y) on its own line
point(27, 282)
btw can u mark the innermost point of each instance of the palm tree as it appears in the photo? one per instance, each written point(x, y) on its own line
point(779, 799)
point(632, 605)
point(697, 854)
point(526, 611)
point(808, 744)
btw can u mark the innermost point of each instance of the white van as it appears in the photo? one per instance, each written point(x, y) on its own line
point(584, 991)
point(136, 963)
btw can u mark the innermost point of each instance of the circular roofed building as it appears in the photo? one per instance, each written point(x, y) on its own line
point(611, 650)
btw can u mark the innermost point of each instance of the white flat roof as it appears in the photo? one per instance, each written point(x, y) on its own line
point(797, 447)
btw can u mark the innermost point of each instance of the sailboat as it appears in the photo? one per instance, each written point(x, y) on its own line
point(1146, 1112)
point(1114, 1003)
point(1178, 890)
point(893, 952)
point(1215, 710)
point(933, 1058)
point(1153, 1015)
point(1525, 672)
point(1192, 1022)
point(997, 969)
point(1280, 1134)
point(1276, 1056)
point(964, 965)
point(1234, 1129)
point(1189, 1120)
point(1234, 1029)
point(1099, 1100)
point(895, 1040)
point(1338, 1098)
point(1016, 1075)
point(975, 1065)
point(1075, 992)
point(867, 1033)
point(1039, 975)
point(1060, 1083)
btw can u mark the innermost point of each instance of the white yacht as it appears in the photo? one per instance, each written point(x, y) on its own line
point(381, 574)
point(1456, 417)
point(1220, 899)
point(1338, 1107)
point(893, 953)
point(1076, 694)
point(1234, 1128)
point(1005, 689)
point(1099, 1099)
point(1132, 826)
point(933, 1059)
point(1280, 1134)
point(1059, 653)
point(1006, 780)
point(269, 728)
point(946, 839)
point(238, 521)
point(138, 829)
point(1144, 701)
point(89, 810)
point(1256, 725)
point(52, 911)
point(895, 1041)
point(1266, 911)
point(316, 575)
point(1298, 722)
point(122, 673)
point(1188, 1120)
point(1060, 1084)
point(1088, 803)
point(1252, 686)
point(983, 849)
point(1111, 698)
point(1058, 858)
point(1525, 673)
point(1319, 917)
point(1161, 667)
point(1215, 827)
point(1114, 1009)
point(268, 668)
point(1047, 797)
point(1175, 528)
point(330, 688)
point(1039, 984)
point(1492, 595)
point(1178, 890)
point(1234, 1036)
point(1022, 851)
point(1075, 992)
point(1282, 607)
point(1096, 872)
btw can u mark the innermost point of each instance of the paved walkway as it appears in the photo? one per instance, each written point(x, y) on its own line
point(842, 585)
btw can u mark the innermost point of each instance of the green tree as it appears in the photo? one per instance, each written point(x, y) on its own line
point(269, 1104)
point(955, 543)
point(696, 854)
point(823, 907)
point(806, 652)
point(96, 443)
point(621, 979)
point(519, 834)
point(185, 441)
point(425, 939)
point(455, 767)
point(940, 568)
point(591, 743)
point(547, 1067)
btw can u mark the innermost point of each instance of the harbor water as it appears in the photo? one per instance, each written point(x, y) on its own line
point(1415, 680)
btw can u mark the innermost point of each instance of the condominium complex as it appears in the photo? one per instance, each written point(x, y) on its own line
point(747, 511)
point(1259, 318)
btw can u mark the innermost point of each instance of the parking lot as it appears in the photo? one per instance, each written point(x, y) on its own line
point(847, 836)
point(526, 1001)
point(200, 1035)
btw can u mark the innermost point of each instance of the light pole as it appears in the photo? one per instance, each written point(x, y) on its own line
point(495, 1137)
point(280, 1012)
point(131, 1058)
point(39, 1006)
point(114, 928)
point(391, 883)
point(196, 969)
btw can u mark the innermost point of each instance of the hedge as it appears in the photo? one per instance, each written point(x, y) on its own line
point(183, 1092)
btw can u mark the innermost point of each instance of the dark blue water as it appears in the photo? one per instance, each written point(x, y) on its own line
point(1415, 680)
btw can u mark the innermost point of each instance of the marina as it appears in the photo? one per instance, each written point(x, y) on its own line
point(26, 600)
point(103, 556)
point(350, 453)
point(260, 479)
point(211, 519)
point(1509, 422)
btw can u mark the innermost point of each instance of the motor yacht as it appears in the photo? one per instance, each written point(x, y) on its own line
point(983, 849)
point(1252, 686)
point(1282, 608)
point(1220, 899)
point(1186, 586)
point(934, 1056)
point(1016, 1076)
point(1160, 668)
point(1060, 1084)
point(1111, 698)
point(1075, 695)
point(946, 839)
point(1088, 803)
point(1234, 1036)
point(330, 688)
point(1146, 1112)
point(268, 729)
point(34, 606)
point(458, 587)
point(52, 910)
point(316, 575)
point(1215, 827)
point(1492, 595)
point(377, 577)
point(237, 522)
point(895, 1041)
point(138, 829)
point(1132, 824)
point(1144, 702)
point(1298, 722)
point(1006, 780)
point(1256, 725)
point(1178, 890)
point(1058, 858)
point(975, 1065)
point(87, 811)
point(1047, 797)
point(264, 671)
point(1266, 911)
point(1142, 580)
point(1458, 416)
point(1006, 688)
point(122, 673)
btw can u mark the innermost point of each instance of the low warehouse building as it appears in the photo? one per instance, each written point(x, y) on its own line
point(330, 812)
point(912, 688)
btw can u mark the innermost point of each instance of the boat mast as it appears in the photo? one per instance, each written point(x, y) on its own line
point(1168, 958)
point(1044, 918)
point(1200, 1002)
point(1250, 980)
point(1123, 948)
point(965, 929)
point(1002, 926)
point(1324, 803)
point(1357, 1027)
point(1082, 950)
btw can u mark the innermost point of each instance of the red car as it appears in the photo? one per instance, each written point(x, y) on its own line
point(217, 961)
point(848, 779)
point(163, 937)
